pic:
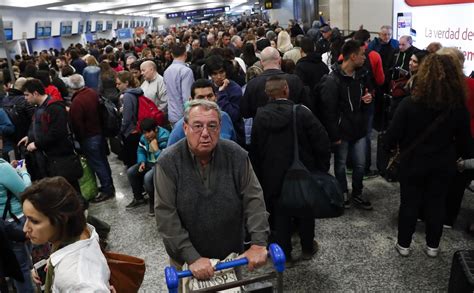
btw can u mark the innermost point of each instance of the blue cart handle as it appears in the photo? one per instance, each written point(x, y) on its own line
point(276, 254)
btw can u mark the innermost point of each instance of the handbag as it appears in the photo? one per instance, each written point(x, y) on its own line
point(126, 272)
point(88, 182)
point(308, 194)
point(13, 230)
point(392, 172)
point(69, 167)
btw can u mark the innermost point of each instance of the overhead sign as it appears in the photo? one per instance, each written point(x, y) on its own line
point(198, 12)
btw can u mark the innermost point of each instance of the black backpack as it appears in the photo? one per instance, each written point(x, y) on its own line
point(110, 117)
point(15, 107)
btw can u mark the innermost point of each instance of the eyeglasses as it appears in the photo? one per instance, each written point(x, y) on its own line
point(199, 128)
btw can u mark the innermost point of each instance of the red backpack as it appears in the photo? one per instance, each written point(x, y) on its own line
point(148, 109)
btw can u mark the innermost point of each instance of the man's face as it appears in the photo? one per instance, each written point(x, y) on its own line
point(238, 43)
point(225, 41)
point(218, 77)
point(30, 97)
point(148, 73)
point(403, 45)
point(359, 58)
point(129, 62)
point(327, 35)
point(205, 93)
point(202, 131)
point(150, 135)
point(385, 35)
point(195, 44)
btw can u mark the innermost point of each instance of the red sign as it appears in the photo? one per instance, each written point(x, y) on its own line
point(436, 2)
point(139, 31)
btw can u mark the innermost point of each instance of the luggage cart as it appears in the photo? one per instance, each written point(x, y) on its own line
point(276, 254)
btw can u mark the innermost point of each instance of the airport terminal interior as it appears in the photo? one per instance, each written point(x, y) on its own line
point(357, 250)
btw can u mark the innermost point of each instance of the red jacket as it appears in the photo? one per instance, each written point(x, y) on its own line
point(84, 114)
point(53, 92)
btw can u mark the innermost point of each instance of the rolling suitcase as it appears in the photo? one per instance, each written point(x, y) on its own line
point(462, 272)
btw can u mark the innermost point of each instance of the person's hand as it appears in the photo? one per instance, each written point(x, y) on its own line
point(338, 142)
point(24, 141)
point(460, 164)
point(154, 145)
point(367, 98)
point(35, 277)
point(112, 289)
point(14, 163)
point(31, 147)
point(202, 269)
point(141, 168)
point(224, 85)
point(256, 255)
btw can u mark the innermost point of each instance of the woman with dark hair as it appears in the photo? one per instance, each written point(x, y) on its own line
point(130, 90)
point(436, 113)
point(107, 82)
point(248, 54)
point(55, 215)
point(197, 63)
point(49, 88)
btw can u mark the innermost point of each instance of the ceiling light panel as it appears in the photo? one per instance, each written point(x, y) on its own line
point(27, 3)
point(100, 5)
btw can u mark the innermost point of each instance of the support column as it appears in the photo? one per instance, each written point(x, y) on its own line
point(339, 14)
point(306, 11)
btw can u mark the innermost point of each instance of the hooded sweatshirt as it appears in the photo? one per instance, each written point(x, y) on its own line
point(272, 143)
point(311, 69)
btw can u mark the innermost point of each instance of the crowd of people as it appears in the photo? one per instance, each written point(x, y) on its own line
point(224, 95)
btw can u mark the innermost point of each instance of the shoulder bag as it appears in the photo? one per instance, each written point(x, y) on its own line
point(308, 194)
point(392, 172)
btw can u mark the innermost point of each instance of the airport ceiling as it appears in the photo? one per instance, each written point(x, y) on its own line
point(147, 8)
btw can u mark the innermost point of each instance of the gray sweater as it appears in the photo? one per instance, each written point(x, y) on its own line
point(203, 213)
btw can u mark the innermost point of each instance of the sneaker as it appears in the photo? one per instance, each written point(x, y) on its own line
point(102, 196)
point(361, 202)
point(308, 255)
point(371, 174)
point(431, 252)
point(151, 212)
point(446, 226)
point(349, 171)
point(347, 201)
point(135, 203)
point(402, 250)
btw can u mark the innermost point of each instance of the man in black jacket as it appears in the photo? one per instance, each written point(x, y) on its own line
point(272, 155)
point(255, 95)
point(49, 130)
point(345, 100)
point(310, 68)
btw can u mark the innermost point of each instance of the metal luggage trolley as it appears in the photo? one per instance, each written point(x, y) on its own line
point(276, 254)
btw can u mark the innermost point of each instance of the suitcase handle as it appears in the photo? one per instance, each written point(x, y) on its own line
point(276, 254)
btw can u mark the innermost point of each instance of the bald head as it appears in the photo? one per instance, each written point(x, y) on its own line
point(270, 58)
point(148, 69)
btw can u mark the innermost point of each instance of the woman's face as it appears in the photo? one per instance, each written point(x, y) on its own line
point(121, 86)
point(167, 55)
point(413, 64)
point(37, 227)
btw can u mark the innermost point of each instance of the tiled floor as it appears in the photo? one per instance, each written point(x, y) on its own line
point(357, 249)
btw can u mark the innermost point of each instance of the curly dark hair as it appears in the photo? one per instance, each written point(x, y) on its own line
point(440, 82)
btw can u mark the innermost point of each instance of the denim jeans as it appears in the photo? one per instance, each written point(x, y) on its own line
point(368, 138)
point(96, 154)
point(356, 150)
point(140, 180)
point(22, 252)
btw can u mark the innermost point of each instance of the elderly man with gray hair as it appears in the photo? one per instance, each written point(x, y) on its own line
point(86, 125)
point(206, 194)
point(255, 95)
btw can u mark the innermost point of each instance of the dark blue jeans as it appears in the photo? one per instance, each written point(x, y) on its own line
point(357, 151)
point(96, 154)
point(368, 138)
point(139, 180)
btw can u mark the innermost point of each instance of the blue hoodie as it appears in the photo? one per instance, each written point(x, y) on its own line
point(6, 130)
point(144, 155)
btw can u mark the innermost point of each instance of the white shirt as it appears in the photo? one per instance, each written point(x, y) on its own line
point(81, 267)
point(155, 90)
